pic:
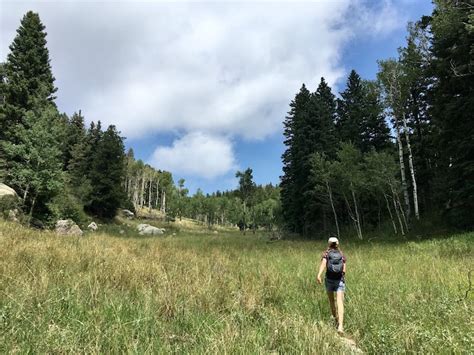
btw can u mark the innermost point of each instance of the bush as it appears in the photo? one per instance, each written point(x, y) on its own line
point(8, 203)
point(65, 206)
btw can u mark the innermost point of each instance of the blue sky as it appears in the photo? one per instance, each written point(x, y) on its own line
point(201, 88)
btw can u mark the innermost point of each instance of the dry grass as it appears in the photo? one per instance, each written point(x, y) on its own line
point(225, 293)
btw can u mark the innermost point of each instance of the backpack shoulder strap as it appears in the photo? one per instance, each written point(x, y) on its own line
point(324, 255)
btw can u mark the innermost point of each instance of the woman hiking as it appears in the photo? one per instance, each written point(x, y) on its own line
point(335, 264)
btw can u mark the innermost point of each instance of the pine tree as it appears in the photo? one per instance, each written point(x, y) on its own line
point(28, 74)
point(309, 128)
point(319, 137)
point(323, 119)
point(453, 106)
point(293, 160)
point(75, 134)
point(93, 137)
point(350, 111)
point(360, 115)
point(107, 175)
point(3, 158)
point(79, 167)
point(374, 131)
point(28, 141)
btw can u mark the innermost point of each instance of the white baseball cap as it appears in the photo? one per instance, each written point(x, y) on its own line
point(333, 240)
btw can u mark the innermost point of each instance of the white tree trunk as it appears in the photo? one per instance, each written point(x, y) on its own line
point(390, 213)
point(412, 169)
point(402, 170)
point(142, 190)
point(403, 214)
point(397, 209)
point(333, 208)
point(157, 192)
point(359, 229)
point(163, 201)
point(351, 215)
point(149, 191)
point(136, 192)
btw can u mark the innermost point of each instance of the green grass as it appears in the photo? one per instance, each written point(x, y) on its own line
point(227, 293)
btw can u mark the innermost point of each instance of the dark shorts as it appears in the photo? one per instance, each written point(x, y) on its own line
point(335, 285)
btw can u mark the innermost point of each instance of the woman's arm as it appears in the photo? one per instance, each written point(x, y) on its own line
point(321, 270)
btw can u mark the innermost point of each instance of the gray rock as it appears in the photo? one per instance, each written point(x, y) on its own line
point(146, 229)
point(6, 190)
point(68, 227)
point(92, 226)
point(142, 226)
point(129, 214)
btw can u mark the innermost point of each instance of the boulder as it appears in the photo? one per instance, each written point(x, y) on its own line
point(129, 214)
point(142, 226)
point(68, 227)
point(92, 226)
point(146, 229)
point(9, 201)
point(6, 190)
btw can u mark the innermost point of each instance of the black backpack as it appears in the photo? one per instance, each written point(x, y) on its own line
point(334, 265)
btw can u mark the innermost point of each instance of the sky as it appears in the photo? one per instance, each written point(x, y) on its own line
point(201, 89)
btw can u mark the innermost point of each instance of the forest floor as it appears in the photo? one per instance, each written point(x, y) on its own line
point(197, 291)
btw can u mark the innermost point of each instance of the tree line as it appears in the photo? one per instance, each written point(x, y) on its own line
point(396, 149)
point(250, 206)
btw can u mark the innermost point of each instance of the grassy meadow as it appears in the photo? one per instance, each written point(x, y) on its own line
point(227, 293)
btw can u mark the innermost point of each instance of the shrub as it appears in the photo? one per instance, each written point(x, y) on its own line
point(65, 206)
point(8, 203)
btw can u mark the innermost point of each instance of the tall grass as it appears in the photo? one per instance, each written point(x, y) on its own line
point(227, 293)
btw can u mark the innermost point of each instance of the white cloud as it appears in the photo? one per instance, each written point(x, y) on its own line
point(223, 69)
point(380, 20)
point(196, 154)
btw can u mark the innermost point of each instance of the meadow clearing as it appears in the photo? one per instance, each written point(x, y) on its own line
point(199, 292)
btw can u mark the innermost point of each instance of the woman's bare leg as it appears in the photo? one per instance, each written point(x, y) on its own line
point(332, 304)
point(340, 310)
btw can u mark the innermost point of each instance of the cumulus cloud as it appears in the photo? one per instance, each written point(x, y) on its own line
point(223, 69)
point(197, 154)
point(381, 19)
